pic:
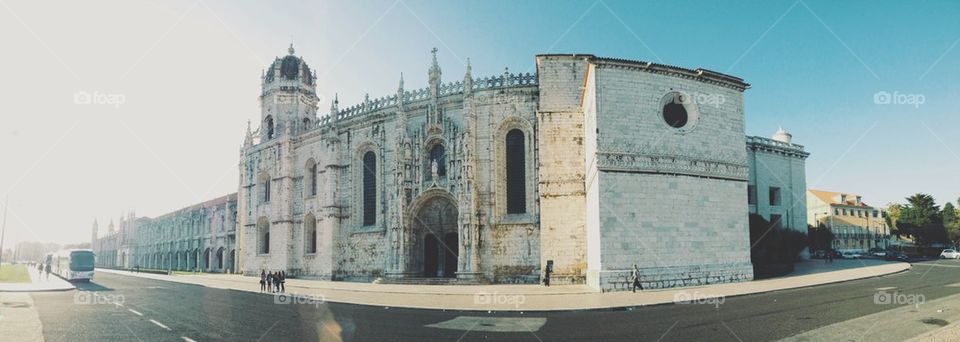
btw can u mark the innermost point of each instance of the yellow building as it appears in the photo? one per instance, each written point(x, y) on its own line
point(855, 225)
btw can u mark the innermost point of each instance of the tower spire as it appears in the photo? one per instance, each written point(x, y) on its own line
point(290, 49)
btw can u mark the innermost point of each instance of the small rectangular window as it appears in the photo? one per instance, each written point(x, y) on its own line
point(774, 195)
point(751, 194)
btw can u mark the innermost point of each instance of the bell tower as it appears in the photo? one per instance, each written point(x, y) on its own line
point(288, 98)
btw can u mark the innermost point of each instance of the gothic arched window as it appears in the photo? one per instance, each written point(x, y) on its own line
point(310, 225)
point(263, 230)
point(311, 173)
point(264, 187)
point(369, 188)
point(516, 173)
point(268, 122)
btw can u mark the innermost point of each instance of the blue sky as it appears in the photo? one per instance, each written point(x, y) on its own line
point(189, 73)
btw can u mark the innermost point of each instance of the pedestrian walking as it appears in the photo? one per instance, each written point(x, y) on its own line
point(270, 281)
point(635, 279)
point(47, 268)
point(263, 280)
point(546, 273)
point(283, 281)
point(276, 282)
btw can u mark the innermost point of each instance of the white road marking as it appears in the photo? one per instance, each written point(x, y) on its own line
point(187, 339)
point(495, 324)
point(135, 312)
point(160, 324)
point(886, 288)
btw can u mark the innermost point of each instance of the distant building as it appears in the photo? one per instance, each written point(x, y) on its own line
point(777, 186)
point(199, 237)
point(116, 247)
point(855, 224)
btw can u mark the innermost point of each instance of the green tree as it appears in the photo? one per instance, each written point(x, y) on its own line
point(951, 221)
point(921, 219)
point(891, 215)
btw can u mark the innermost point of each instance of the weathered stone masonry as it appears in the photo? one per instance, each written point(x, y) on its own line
point(593, 164)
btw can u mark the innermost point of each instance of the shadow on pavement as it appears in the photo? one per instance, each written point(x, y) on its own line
point(91, 286)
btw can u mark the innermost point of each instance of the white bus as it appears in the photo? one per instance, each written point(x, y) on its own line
point(72, 264)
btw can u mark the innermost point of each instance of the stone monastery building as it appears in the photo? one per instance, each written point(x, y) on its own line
point(590, 165)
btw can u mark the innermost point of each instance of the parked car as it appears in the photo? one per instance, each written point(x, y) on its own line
point(819, 254)
point(896, 256)
point(850, 255)
point(949, 254)
point(879, 252)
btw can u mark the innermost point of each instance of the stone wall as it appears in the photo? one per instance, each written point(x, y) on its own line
point(560, 120)
point(671, 199)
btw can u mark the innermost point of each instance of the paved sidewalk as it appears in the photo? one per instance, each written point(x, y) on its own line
point(901, 323)
point(19, 320)
point(527, 297)
point(38, 282)
point(950, 333)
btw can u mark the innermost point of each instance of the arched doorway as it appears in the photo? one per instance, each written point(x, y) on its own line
point(206, 259)
point(231, 261)
point(220, 259)
point(434, 243)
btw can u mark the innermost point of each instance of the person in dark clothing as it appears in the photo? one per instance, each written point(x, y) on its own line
point(270, 281)
point(283, 281)
point(546, 273)
point(635, 279)
point(263, 281)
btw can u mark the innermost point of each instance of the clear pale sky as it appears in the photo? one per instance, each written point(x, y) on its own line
point(189, 73)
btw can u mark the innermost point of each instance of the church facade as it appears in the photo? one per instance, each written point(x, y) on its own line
point(589, 165)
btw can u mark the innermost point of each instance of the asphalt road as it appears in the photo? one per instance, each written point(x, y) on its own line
point(155, 310)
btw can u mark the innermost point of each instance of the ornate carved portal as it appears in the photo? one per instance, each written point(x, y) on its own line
point(432, 247)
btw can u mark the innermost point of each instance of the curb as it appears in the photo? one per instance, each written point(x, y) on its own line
point(517, 310)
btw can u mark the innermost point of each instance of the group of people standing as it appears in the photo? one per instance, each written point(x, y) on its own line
point(41, 267)
point(273, 281)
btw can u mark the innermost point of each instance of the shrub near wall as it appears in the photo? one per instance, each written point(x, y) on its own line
point(775, 250)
